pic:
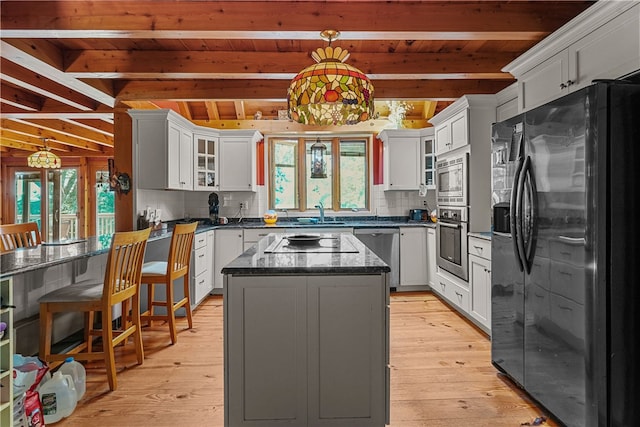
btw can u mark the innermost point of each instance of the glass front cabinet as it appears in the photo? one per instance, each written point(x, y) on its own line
point(206, 168)
point(428, 160)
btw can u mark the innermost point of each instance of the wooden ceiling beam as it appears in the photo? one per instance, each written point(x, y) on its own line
point(32, 143)
point(41, 49)
point(184, 110)
point(74, 130)
point(97, 125)
point(77, 90)
point(37, 83)
point(185, 90)
point(212, 110)
point(269, 65)
point(240, 113)
point(429, 109)
point(30, 19)
point(30, 129)
point(19, 99)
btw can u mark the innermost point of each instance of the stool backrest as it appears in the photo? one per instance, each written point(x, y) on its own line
point(180, 249)
point(13, 236)
point(124, 266)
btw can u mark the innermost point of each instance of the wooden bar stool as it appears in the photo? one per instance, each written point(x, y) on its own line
point(13, 236)
point(166, 272)
point(121, 284)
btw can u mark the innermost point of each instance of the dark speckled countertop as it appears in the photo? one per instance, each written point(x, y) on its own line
point(47, 255)
point(255, 261)
point(24, 260)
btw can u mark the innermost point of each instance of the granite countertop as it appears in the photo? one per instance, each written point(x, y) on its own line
point(259, 260)
point(43, 256)
point(50, 254)
point(349, 222)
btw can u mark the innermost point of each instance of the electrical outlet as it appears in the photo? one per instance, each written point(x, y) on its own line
point(243, 205)
point(424, 204)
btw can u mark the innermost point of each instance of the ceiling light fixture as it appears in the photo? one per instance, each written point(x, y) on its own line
point(44, 158)
point(330, 92)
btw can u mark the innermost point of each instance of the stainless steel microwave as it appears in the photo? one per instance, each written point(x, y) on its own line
point(453, 181)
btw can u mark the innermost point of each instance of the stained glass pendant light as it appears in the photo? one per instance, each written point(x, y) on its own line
point(330, 92)
point(44, 158)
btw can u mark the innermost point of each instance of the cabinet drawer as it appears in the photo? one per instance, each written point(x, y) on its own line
point(480, 247)
point(254, 234)
point(202, 286)
point(453, 292)
point(200, 260)
point(459, 296)
point(200, 240)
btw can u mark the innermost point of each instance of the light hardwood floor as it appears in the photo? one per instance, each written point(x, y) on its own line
point(441, 375)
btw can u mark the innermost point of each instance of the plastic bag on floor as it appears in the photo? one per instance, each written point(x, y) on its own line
point(28, 371)
point(28, 374)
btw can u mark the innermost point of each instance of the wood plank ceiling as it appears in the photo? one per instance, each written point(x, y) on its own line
point(67, 65)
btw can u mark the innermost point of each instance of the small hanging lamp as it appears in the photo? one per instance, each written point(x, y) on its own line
point(318, 165)
point(44, 158)
point(330, 92)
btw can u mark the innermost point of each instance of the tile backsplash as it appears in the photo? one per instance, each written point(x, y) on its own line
point(194, 204)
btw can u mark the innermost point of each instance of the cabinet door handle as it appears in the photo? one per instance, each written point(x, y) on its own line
point(563, 86)
point(570, 82)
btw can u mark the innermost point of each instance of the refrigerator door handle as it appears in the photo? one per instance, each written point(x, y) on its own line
point(532, 218)
point(519, 219)
point(514, 219)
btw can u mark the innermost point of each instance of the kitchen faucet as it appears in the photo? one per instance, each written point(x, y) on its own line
point(320, 206)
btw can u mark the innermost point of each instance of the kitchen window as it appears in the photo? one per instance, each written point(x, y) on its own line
point(345, 187)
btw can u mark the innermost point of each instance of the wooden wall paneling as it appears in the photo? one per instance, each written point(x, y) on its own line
point(123, 156)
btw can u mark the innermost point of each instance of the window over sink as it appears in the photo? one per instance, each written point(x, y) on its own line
point(345, 187)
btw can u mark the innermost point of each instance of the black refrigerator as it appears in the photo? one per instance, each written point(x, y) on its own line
point(566, 254)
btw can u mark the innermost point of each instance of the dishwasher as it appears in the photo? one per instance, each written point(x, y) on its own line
point(384, 242)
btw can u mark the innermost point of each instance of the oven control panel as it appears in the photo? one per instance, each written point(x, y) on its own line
point(452, 214)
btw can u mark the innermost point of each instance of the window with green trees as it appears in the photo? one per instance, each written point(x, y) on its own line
point(345, 187)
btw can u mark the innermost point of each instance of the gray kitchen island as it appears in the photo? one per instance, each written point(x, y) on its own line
point(306, 334)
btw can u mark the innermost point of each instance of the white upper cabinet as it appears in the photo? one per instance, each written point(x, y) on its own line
point(507, 100)
point(601, 43)
point(173, 154)
point(163, 145)
point(402, 164)
point(206, 166)
point(469, 118)
point(238, 160)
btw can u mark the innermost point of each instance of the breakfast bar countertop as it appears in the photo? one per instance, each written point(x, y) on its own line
point(50, 254)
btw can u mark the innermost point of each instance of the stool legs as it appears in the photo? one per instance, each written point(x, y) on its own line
point(171, 314)
point(169, 305)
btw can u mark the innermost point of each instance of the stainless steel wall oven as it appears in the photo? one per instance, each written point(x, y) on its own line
point(451, 241)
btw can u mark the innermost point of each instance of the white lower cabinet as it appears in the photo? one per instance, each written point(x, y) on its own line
point(228, 246)
point(306, 350)
point(432, 266)
point(202, 274)
point(413, 256)
point(480, 281)
point(454, 290)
